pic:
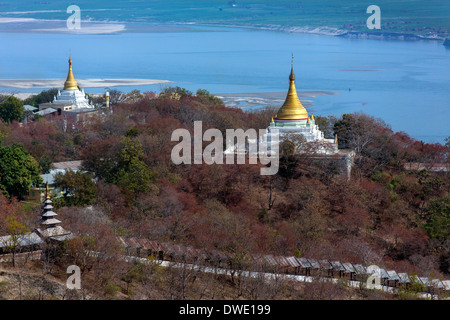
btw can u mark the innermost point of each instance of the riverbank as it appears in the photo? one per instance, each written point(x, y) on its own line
point(84, 83)
point(338, 32)
point(254, 100)
point(400, 19)
point(32, 25)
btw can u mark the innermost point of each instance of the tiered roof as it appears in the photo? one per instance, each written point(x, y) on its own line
point(48, 219)
point(49, 226)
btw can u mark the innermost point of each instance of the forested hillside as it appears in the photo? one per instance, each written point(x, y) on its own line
point(384, 214)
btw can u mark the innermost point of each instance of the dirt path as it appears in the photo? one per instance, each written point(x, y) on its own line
point(17, 284)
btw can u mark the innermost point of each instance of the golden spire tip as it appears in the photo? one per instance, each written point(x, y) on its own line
point(47, 194)
point(292, 75)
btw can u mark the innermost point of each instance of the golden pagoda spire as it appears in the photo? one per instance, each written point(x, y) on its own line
point(71, 83)
point(47, 194)
point(292, 109)
point(292, 75)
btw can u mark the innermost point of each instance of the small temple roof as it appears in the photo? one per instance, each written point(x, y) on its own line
point(28, 107)
point(50, 221)
point(28, 239)
point(73, 165)
point(47, 206)
point(55, 233)
point(292, 109)
point(48, 213)
point(46, 111)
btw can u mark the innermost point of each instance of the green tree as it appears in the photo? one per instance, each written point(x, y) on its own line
point(18, 171)
point(43, 97)
point(438, 225)
point(4, 130)
point(133, 173)
point(16, 232)
point(175, 92)
point(346, 128)
point(413, 290)
point(133, 96)
point(136, 178)
point(45, 163)
point(131, 149)
point(132, 132)
point(429, 183)
point(203, 93)
point(78, 187)
point(326, 125)
point(11, 109)
point(122, 164)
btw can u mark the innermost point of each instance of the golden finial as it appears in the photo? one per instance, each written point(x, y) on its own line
point(47, 194)
point(272, 120)
point(292, 75)
point(312, 116)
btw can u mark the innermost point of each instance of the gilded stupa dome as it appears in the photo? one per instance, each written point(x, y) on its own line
point(292, 109)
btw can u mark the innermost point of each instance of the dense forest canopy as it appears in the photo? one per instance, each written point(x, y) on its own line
point(384, 214)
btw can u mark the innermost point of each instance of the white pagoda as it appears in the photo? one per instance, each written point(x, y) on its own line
point(293, 123)
point(71, 98)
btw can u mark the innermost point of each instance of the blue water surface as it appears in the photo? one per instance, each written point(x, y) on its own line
point(406, 83)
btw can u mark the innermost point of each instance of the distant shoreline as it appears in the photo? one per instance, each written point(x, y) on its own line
point(252, 100)
point(84, 83)
point(31, 25)
point(331, 31)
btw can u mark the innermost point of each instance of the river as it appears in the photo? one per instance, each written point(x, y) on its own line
point(405, 83)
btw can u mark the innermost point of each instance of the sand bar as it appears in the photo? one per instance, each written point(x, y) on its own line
point(249, 100)
point(83, 83)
